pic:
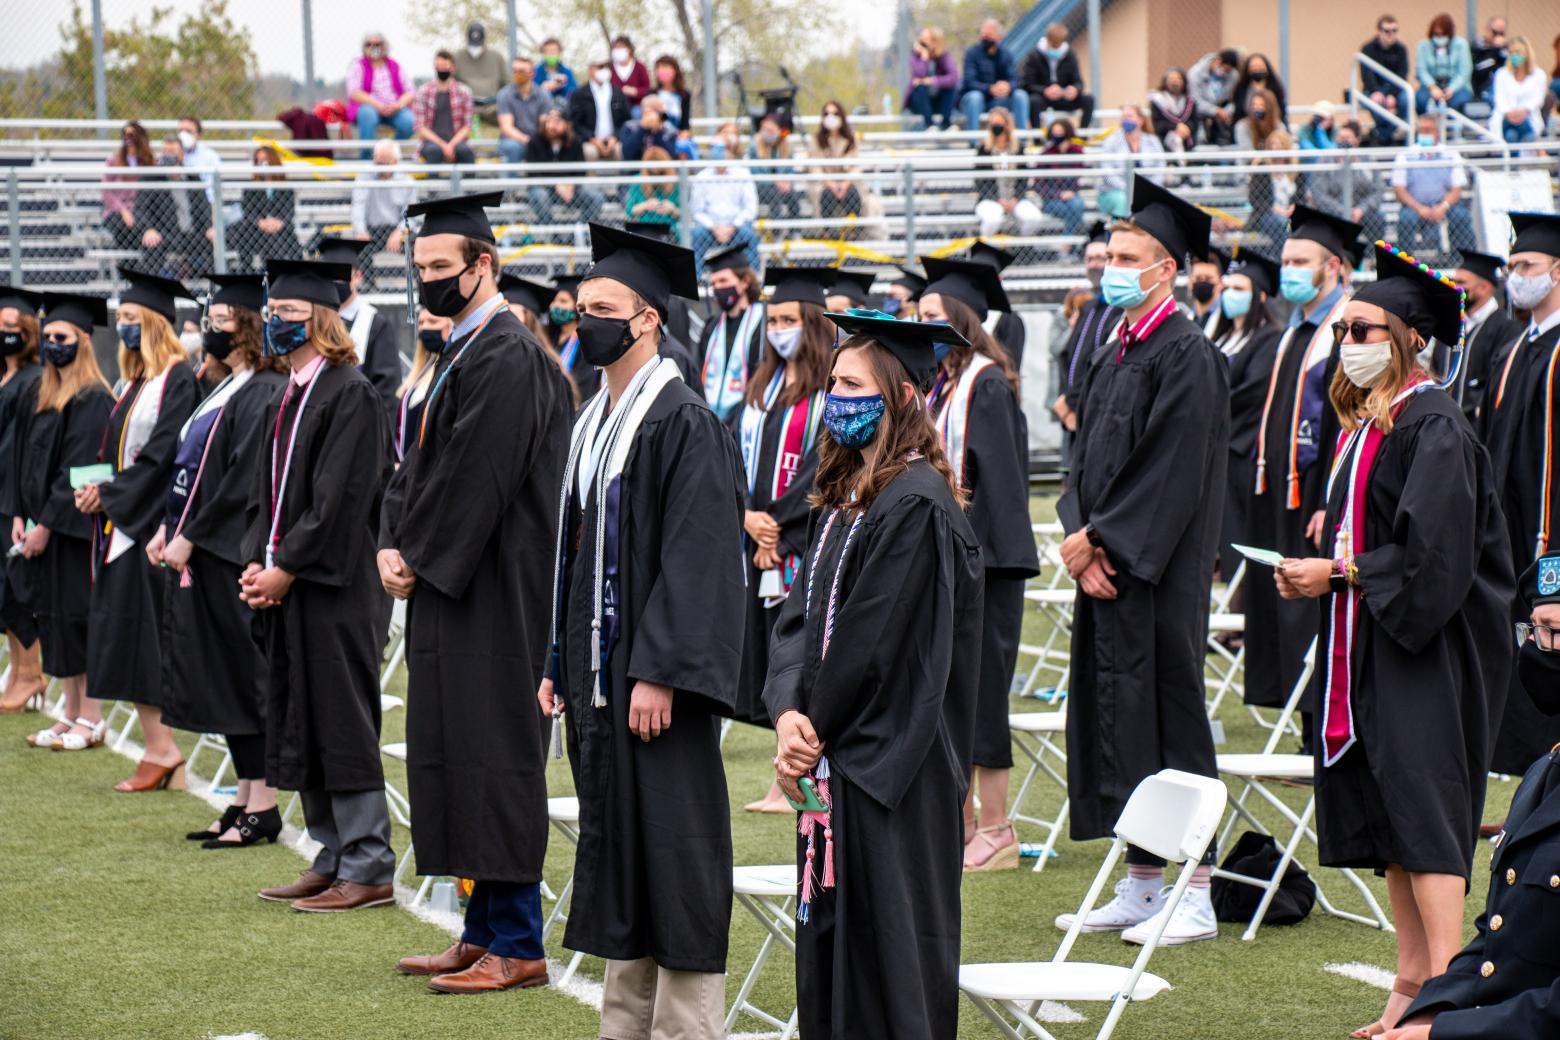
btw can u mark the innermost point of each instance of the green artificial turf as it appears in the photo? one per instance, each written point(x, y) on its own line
point(112, 926)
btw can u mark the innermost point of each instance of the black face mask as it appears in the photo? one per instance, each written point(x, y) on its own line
point(726, 297)
point(1202, 292)
point(432, 340)
point(344, 290)
point(443, 297)
point(443, 74)
point(1539, 671)
point(217, 344)
point(604, 340)
point(10, 343)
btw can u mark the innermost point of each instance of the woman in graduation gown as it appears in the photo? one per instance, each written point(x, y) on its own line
point(18, 392)
point(156, 395)
point(872, 686)
point(563, 317)
point(432, 332)
point(974, 404)
point(213, 672)
point(777, 431)
point(1414, 644)
point(62, 428)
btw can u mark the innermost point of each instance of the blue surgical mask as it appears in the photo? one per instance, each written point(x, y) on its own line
point(284, 337)
point(130, 336)
point(853, 421)
point(1425, 140)
point(1054, 53)
point(939, 350)
point(1440, 41)
point(1235, 302)
point(1297, 285)
point(892, 305)
point(1129, 126)
point(1123, 286)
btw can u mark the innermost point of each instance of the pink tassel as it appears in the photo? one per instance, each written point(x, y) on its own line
point(185, 581)
point(828, 835)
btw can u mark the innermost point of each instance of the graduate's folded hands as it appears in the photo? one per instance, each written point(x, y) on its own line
point(797, 747)
point(649, 710)
point(154, 548)
point(263, 587)
point(35, 541)
point(1077, 554)
point(1095, 578)
point(394, 574)
point(176, 553)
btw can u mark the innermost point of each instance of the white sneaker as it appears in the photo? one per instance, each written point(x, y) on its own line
point(1134, 904)
point(1192, 920)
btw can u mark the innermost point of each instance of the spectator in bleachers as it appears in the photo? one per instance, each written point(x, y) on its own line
point(1262, 130)
point(1317, 133)
point(1053, 79)
point(1002, 198)
point(177, 221)
point(1489, 53)
point(1443, 65)
point(484, 72)
point(442, 110)
point(1387, 50)
point(1353, 193)
point(198, 156)
point(673, 92)
point(723, 204)
point(1173, 111)
point(1128, 140)
point(1211, 81)
point(1554, 78)
point(266, 230)
point(520, 104)
point(654, 201)
point(555, 79)
point(780, 195)
point(1256, 74)
point(934, 81)
point(1062, 196)
point(840, 194)
point(1517, 113)
point(650, 130)
point(376, 92)
point(379, 201)
point(629, 74)
point(990, 79)
point(1429, 182)
point(554, 143)
point(119, 204)
point(599, 111)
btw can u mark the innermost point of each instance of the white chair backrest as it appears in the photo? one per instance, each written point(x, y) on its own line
point(1173, 815)
point(1281, 726)
point(1221, 598)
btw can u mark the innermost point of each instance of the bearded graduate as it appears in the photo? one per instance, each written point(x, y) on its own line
point(1414, 647)
point(872, 686)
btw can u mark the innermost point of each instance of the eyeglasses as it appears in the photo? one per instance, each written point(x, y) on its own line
point(210, 324)
point(1542, 635)
point(1355, 330)
point(1525, 267)
point(286, 314)
point(60, 339)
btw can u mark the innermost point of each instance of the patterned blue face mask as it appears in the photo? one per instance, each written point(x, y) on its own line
point(284, 337)
point(853, 421)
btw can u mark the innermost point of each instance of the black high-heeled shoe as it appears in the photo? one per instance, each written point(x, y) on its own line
point(253, 828)
point(230, 816)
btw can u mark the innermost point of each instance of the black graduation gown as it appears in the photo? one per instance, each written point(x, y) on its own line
point(1250, 369)
point(1149, 474)
point(652, 873)
point(895, 704)
point(471, 510)
point(16, 592)
point(1094, 325)
point(381, 361)
point(1010, 332)
point(682, 355)
point(1492, 338)
point(124, 655)
point(1432, 651)
point(755, 348)
point(324, 640)
point(213, 670)
point(48, 444)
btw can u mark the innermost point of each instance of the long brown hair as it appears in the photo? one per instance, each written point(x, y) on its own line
point(905, 430)
point(265, 155)
point(330, 336)
point(160, 347)
point(58, 386)
point(139, 145)
point(248, 338)
point(1357, 404)
point(27, 325)
point(657, 189)
point(962, 317)
point(846, 133)
point(812, 361)
point(1262, 129)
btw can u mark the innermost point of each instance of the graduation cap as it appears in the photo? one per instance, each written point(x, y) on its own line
point(650, 229)
point(457, 215)
point(985, 252)
point(1483, 265)
point(569, 283)
point(1427, 300)
point(1170, 220)
point(24, 300)
point(311, 280)
point(1338, 236)
point(854, 285)
point(973, 283)
point(1099, 232)
point(1535, 233)
point(912, 282)
point(1263, 272)
point(732, 258)
point(1219, 258)
point(533, 296)
point(655, 269)
point(153, 291)
point(909, 341)
point(799, 284)
point(84, 312)
point(351, 251)
point(237, 290)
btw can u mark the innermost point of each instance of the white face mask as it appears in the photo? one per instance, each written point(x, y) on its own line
point(186, 139)
point(191, 341)
point(620, 55)
point(602, 76)
point(475, 52)
point(832, 122)
point(1363, 363)
point(1528, 291)
point(786, 341)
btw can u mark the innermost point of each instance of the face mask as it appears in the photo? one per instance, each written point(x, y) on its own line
point(1539, 671)
point(1425, 140)
point(343, 290)
point(1528, 291)
point(475, 52)
point(58, 354)
point(1296, 285)
point(1123, 286)
point(1054, 53)
point(769, 136)
point(1440, 41)
point(1515, 60)
point(1202, 292)
point(620, 55)
point(853, 421)
point(191, 342)
point(130, 336)
point(550, 60)
point(1059, 138)
point(602, 76)
point(443, 74)
point(217, 344)
point(892, 305)
point(10, 343)
point(1363, 363)
point(1258, 113)
point(665, 76)
point(374, 52)
point(1259, 77)
point(726, 297)
point(432, 340)
point(1235, 303)
point(832, 122)
point(1094, 275)
point(283, 337)
point(561, 316)
point(604, 340)
point(186, 139)
point(786, 341)
point(443, 297)
point(1129, 126)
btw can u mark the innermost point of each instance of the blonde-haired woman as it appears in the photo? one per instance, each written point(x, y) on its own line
point(58, 429)
point(18, 391)
point(934, 80)
point(156, 394)
point(1520, 90)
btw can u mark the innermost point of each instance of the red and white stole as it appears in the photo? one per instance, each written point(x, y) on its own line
point(798, 430)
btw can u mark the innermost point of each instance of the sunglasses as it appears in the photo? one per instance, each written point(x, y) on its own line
point(60, 339)
point(1356, 330)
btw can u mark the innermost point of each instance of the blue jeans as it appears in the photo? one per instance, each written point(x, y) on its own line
point(505, 918)
point(704, 241)
point(1459, 99)
point(1459, 231)
point(1068, 211)
point(924, 99)
point(1384, 131)
point(975, 104)
point(510, 150)
point(368, 120)
point(586, 203)
point(1516, 133)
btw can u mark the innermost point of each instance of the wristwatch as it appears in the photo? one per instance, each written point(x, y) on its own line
point(1093, 536)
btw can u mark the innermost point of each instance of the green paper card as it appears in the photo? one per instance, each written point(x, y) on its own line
point(97, 473)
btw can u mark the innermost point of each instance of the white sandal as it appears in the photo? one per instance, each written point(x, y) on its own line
point(71, 741)
point(46, 738)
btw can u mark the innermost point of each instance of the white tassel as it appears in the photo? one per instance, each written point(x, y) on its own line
point(557, 733)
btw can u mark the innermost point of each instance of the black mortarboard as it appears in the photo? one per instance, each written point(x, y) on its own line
point(854, 285)
point(153, 291)
point(655, 269)
point(650, 229)
point(84, 312)
point(311, 280)
point(734, 258)
point(24, 300)
point(1428, 301)
point(799, 284)
point(909, 341)
point(1338, 236)
point(1535, 233)
point(569, 283)
point(985, 252)
point(1099, 232)
point(237, 290)
point(911, 281)
point(1484, 265)
point(1173, 222)
point(457, 215)
point(973, 283)
point(353, 251)
point(1264, 273)
point(533, 296)
point(1218, 257)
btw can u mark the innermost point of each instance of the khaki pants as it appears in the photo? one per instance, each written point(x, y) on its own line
point(594, 154)
point(642, 1001)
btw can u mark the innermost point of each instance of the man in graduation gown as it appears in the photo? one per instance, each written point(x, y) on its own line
point(463, 518)
point(851, 288)
point(1295, 439)
point(1095, 325)
point(1491, 332)
point(1005, 327)
point(733, 338)
point(679, 323)
point(1143, 514)
point(373, 335)
point(647, 643)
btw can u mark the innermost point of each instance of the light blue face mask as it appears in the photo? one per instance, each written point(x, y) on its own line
point(1297, 285)
point(1123, 286)
point(1425, 140)
point(1235, 302)
point(1054, 53)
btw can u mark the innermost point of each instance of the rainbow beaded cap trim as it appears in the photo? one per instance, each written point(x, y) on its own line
point(1462, 305)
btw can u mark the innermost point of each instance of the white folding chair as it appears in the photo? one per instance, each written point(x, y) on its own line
point(1171, 814)
point(768, 893)
point(1037, 735)
point(1053, 592)
point(211, 742)
point(1228, 666)
point(564, 815)
point(119, 709)
point(1255, 772)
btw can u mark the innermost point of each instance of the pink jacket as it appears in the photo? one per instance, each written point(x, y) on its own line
point(365, 81)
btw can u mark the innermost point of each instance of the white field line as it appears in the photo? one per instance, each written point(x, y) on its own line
point(1366, 973)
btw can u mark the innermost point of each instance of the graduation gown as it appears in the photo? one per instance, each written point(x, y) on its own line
point(652, 873)
point(1492, 339)
point(1251, 366)
point(213, 671)
point(702, 359)
point(323, 642)
point(48, 444)
point(1432, 651)
point(379, 357)
point(895, 703)
point(16, 597)
point(471, 510)
point(678, 350)
point(1009, 331)
point(124, 653)
point(1149, 474)
point(1089, 333)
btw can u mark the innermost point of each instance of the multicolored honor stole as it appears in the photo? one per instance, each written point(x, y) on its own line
point(570, 352)
point(725, 383)
point(1310, 398)
point(1541, 542)
point(798, 430)
point(953, 417)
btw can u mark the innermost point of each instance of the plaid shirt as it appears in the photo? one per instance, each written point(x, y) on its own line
point(424, 101)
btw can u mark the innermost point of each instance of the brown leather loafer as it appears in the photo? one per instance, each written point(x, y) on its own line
point(490, 974)
point(457, 958)
point(346, 895)
point(308, 884)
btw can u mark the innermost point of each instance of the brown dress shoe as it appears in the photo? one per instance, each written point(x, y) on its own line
point(457, 958)
point(492, 973)
point(308, 884)
point(346, 895)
